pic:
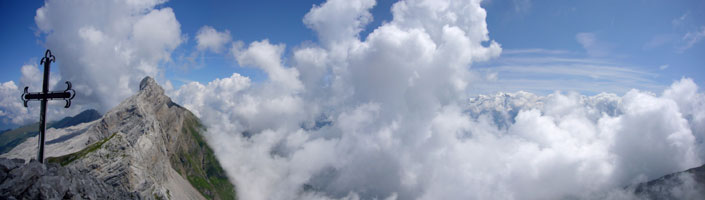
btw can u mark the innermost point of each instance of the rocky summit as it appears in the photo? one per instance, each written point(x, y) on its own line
point(147, 145)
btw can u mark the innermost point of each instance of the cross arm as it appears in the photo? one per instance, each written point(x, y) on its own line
point(50, 95)
point(66, 95)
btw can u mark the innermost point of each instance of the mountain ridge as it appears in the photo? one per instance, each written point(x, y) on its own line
point(147, 144)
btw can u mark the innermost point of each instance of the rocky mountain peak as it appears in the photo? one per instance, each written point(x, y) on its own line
point(151, 92)
point(148, 83)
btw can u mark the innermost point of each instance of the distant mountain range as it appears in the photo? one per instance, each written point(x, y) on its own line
point(11, 138)
point(147, 145)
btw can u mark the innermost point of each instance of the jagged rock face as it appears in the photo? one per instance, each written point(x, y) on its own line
point(147, 144)
point(52, 181)
point(144, 141)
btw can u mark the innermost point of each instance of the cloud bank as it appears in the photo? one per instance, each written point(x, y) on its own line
point(387, 117)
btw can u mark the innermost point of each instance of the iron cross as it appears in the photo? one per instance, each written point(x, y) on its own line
point(44, 96)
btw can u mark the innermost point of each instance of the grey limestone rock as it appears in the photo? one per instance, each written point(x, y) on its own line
point(52, 181)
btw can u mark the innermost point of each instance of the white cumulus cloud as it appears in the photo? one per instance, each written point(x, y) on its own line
point(209, 38)
point(105, 48)
point(12, 109)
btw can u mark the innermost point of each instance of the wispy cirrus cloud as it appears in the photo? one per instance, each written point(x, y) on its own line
point(691, 38)
point(543, 71)
point(535, 51)
point(593, 45)
point(522, 6)
point(680, 20)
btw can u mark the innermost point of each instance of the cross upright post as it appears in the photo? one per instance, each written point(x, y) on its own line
point(44, 96)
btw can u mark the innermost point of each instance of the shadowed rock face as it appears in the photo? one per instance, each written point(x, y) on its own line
point(689, 184)
point(52, 181)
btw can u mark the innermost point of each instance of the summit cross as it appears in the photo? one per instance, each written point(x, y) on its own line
point(44, 96)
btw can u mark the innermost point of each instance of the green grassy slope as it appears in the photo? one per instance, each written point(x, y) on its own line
point(195, 161)
point(67, 159)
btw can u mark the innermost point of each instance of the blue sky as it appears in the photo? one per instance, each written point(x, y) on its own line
point(646, 36)
point(277, 21)
point(640, 35)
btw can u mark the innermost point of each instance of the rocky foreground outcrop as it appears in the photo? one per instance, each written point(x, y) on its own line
point(52, 181)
